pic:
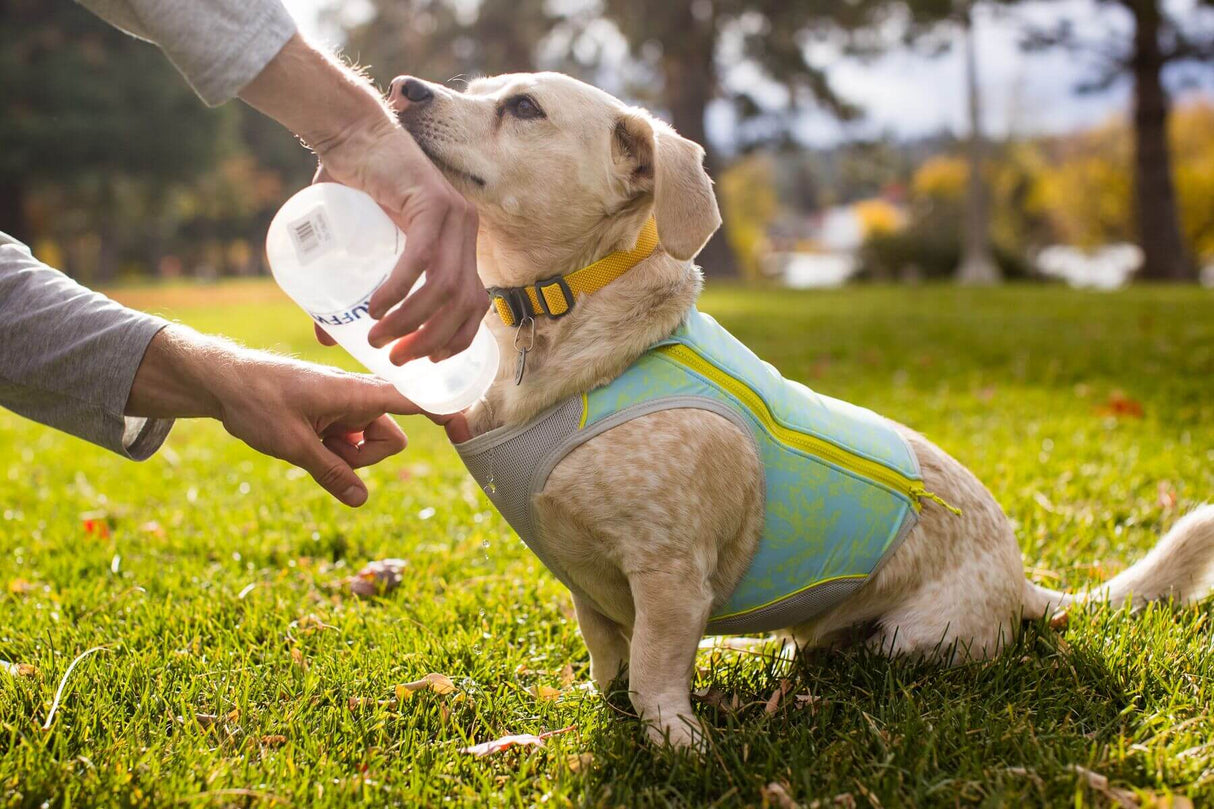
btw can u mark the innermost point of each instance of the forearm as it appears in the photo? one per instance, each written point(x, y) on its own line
point(317, 97)
point(180, 376)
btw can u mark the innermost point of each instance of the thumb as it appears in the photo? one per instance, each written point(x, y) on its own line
point(333, 474)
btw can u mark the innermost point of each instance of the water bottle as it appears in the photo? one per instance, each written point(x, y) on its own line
point(330, 247)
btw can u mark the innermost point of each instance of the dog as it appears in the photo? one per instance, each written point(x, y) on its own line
point(653, 522)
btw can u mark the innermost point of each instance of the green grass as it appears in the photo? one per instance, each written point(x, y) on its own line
point(1015, 382)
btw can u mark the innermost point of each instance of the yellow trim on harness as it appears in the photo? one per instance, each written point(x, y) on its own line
point(806, 588)
point(809, 444)
point(581, 282)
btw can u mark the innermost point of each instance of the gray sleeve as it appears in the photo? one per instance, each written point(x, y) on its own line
point(218, 45)
point(68, 355)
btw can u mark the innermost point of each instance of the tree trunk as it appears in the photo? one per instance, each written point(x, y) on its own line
point(12, 210)
point(977, 266)
point(1164, 254)
point(689, 71)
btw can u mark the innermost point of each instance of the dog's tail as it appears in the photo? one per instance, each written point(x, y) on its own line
point(1180, 567)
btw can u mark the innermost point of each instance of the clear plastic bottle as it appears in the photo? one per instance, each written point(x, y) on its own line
point(330, 247)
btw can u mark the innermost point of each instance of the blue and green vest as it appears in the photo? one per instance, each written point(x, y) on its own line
point(842, 487)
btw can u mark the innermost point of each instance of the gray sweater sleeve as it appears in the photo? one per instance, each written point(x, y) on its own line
point(68, 355)
point(218, 45)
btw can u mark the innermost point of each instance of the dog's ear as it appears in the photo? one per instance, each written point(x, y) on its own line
point(653, 159)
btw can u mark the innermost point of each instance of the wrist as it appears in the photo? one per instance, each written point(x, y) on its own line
point(314, 95)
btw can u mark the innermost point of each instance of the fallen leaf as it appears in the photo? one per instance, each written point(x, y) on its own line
point(545, 692)
point(21, 587)
point(773, 702)
point(580, 761)
point(567, 675)
point(1124, 798)
point(438, 683)
point(1119, 405)
point(376, 578)
point(274, 740)
point(298, 659)
point(808, 701)
point(1167, 497)
point(776, 795)
point(310, 623)
point(19, 669)
point(506, 742)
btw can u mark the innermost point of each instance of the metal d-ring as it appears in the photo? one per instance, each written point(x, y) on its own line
point(522, 350)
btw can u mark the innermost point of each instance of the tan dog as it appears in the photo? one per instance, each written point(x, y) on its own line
point(563, 174)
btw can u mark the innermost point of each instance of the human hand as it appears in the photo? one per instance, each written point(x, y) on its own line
point(326, 421)
point(439, 319)
point(341, 116)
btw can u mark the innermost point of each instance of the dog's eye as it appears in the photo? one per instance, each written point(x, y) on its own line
point(524, 107)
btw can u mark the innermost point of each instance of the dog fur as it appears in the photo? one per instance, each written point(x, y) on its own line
point(657, 519)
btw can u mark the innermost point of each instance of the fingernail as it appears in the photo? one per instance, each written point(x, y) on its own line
point(354, 496)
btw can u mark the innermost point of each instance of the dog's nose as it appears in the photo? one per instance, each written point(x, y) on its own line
point(410, 89)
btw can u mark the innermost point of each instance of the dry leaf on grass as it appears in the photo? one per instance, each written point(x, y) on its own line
point(19, 669)
point(310, 623)
point(274, 740)
point(545, 692)
point(438, 683)
point(773, 702)
point(579, 762)
point(1124, 798)
point(776, 795)
point(21, 587)
point(567, 675)
point(377, 578)
point(506, 742)
point(1119, 405)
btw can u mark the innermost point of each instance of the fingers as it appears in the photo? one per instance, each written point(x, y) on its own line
point(420, 246)
point(322, 336)
point(380, 439)
point(332, 473)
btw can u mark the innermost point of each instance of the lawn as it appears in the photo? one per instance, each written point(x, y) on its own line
point(236, 670)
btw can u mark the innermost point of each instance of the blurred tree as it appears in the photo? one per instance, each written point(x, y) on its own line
point(1162, 35)
point(447, 40)
point(749, 203)
point(1086, 188)
point(83, 100)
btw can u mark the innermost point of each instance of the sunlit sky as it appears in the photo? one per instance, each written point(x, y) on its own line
point(909, 94)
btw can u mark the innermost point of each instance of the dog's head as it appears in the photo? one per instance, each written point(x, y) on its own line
point(558, 168)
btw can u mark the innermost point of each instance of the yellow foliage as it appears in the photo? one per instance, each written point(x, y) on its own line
point(941, 177)
point(878, 217)
point(750, 205)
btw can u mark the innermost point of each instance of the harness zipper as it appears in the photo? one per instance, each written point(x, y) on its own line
point(809, 444)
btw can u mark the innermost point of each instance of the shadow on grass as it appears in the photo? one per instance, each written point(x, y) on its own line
point(860, 727)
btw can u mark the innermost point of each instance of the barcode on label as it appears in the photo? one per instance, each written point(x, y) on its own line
point(311, 234)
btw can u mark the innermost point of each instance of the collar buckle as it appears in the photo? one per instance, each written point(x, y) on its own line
point(516, 301)
point(558, 308)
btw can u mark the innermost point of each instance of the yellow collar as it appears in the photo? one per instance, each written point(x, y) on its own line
point(554, 297)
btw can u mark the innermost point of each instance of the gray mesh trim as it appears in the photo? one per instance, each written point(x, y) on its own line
point(504, 461)
point(808, 603)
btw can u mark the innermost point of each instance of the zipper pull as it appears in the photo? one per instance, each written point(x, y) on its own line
point(923, 494)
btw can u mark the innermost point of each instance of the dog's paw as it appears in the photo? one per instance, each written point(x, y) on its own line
point(684, 732)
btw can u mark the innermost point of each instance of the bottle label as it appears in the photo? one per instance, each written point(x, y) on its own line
point(311, 235)
point(350, 314)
